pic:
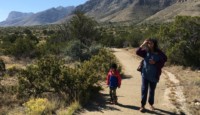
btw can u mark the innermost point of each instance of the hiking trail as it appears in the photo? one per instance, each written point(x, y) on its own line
point(129, 95)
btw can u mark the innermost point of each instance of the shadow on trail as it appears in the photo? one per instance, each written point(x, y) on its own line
point(100, 103)
point(126, 76)
point(159, 112)
point(129, 106)
point(156, 112)
point(165, 112)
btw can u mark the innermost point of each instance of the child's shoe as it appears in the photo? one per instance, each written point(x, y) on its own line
point(111, 102)
point(115, 102)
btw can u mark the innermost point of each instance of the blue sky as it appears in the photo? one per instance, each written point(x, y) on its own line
point(6, 6)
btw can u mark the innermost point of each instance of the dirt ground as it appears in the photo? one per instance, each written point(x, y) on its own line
point(129, 95)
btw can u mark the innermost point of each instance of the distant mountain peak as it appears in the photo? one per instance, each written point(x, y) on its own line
point(48, 16)
point(17, 15)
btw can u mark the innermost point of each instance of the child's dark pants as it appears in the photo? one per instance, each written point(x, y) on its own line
point(113, 95)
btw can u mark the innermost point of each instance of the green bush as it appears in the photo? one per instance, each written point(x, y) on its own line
point(83, 28)
point(42, 77)
point(74, 49)
point(181, 40)
point(50, 75)
point(13, 71)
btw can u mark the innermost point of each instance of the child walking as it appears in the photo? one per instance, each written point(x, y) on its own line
point(113, 81)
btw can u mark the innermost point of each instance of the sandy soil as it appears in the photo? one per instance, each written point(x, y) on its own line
point(129, 95)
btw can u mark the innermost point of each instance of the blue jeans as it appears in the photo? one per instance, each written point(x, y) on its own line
point(146, 84)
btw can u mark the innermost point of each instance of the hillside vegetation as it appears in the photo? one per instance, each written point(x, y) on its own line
point(122, 11)
point(180, 8)
point(67, 63)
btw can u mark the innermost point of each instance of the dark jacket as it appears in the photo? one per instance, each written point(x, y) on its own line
point(163, 58)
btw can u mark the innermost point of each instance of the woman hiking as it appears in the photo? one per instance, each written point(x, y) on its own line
point(154, 60)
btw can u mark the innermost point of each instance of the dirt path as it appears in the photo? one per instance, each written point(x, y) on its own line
point(129, 94)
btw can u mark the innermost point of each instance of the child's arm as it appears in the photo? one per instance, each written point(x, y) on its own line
point(119, 79)
point(107, 78)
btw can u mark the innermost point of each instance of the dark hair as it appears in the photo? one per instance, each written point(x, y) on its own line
point(155, 42)
point(114, 66)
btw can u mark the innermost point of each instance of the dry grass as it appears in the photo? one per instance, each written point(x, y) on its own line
point(11, 62)
point(8, 97)
point(8, 102)
point(9, 81)
point(70, 110)
point(7, 59)
point(8, 87)
point(190, 80)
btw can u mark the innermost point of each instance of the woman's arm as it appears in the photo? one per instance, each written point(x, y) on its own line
point(141, 51)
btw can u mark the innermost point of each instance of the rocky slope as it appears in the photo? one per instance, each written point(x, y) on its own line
point(44, 17)
point(123, 10)
point(181, 7)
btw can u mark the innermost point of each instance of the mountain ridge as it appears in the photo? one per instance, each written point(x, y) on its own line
point(134, 11)
point(15, 15)
point(40, 18)
point(126, 10)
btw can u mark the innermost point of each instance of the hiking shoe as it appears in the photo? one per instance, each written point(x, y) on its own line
point(141, 109)
point(152, 108)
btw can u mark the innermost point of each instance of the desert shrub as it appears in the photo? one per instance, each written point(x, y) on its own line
point(13, 71)
point(42, 49)
point(41, 77)
point(175, 54)
point(50, 75)
point(22, 48)
point(181, 40)
point(37, 106)
point(74, 49)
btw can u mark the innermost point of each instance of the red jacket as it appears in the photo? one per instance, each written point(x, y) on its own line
point(116, 73)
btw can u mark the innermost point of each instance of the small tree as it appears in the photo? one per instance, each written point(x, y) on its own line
point(22, 48)
point(83, 28)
